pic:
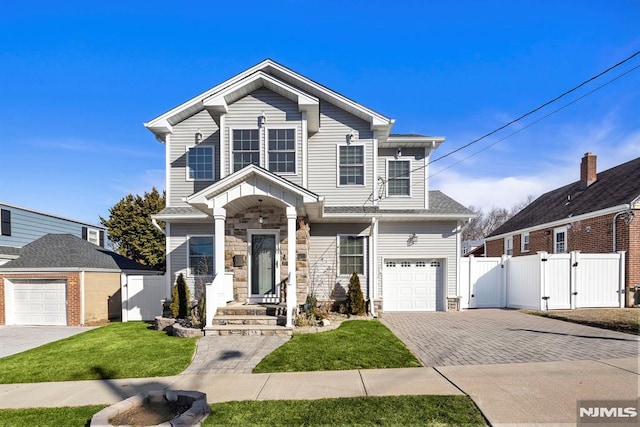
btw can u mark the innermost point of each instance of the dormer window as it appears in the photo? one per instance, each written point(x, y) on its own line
point(246, 148)
point(200, 163)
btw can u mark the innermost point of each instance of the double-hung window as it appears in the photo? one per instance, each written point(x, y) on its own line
point(508, 245)
point(560, 240)
point(398, 178)
point(351, 164)
point(524, 242)
point(246, 148)
point(200, 163)
point(201, 255)
point(351, 254)
point(282, 150)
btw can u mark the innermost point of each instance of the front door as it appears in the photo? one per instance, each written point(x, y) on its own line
point(264, 268)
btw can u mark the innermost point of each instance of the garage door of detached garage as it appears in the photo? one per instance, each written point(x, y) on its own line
point(412, 285)
point(39, 302)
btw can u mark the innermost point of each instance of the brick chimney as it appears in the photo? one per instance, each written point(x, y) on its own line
point(588, 170)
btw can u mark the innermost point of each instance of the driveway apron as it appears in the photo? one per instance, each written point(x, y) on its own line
point(490, 336)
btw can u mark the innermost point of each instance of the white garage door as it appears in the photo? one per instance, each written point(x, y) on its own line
point(39, 302)
point(412, 285)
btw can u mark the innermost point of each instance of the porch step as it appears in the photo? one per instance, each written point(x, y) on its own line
point(249, 320)
point(226, 330)
point(252, 310)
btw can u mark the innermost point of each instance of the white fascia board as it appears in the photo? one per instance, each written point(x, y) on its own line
point(562, 221)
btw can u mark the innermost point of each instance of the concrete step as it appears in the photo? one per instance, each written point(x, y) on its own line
point(249, 320)
point(253, 310)
point(226, 330)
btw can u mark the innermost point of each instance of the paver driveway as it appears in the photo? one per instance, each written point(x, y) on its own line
point(488, 336)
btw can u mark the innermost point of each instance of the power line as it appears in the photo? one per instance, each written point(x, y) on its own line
point(546, 104)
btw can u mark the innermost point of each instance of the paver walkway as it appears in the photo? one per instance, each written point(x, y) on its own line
point(489, 336)
point(232, 354)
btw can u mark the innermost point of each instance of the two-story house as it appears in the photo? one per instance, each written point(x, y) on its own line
point(278, 187)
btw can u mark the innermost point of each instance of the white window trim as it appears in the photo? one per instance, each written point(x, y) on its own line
point(557, 231)
point(364, 164)
point(522, 236)
point(364, 253)
point(97, 234)
point(261, 144)
point(188, 167)
point(400, 159)
point(506, 245)
point(213, 242)
point(295, 149)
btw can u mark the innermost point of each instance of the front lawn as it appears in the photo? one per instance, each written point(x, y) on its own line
point(352, 411)
point(356, 344)
point(617, 319)
point(119, 350)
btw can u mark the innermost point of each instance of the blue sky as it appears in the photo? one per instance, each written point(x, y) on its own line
point(78, 79)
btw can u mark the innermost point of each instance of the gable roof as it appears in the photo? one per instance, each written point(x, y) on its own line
point(68, 252)
point(614, 187)
point(275, 76)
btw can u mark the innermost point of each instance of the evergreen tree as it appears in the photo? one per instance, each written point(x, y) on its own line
point(131, 231)
point(180, 298)
point(355, 299)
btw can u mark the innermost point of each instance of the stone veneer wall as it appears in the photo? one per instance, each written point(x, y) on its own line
point(236, 244)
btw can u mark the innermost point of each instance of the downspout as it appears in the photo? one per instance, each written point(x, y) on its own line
point(461, 226)
point(373, 262)
point(156, 225)
point(82, 298)
point(630, 214)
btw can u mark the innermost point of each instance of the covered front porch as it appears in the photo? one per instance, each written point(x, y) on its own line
point(261, 237)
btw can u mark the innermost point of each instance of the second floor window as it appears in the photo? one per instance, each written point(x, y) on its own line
point(5, 225)
point(351, 165)
point(398, 178)
point(282, 150)
point(246, 148)
point(200, 163)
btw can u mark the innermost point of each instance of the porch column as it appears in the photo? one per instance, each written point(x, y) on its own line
point(291, 262)
point(215, 288)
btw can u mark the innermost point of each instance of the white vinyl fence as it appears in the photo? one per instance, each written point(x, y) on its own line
point(142, 297)
point(543, 281)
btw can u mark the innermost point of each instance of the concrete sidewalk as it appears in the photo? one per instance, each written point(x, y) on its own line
point(229, 387)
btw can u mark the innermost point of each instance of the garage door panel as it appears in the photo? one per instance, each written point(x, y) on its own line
point(39, 303)
point(411, 285)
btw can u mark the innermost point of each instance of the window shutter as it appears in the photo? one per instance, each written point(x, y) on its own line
point(5, 222)
point(102, 238)
point(84, 233)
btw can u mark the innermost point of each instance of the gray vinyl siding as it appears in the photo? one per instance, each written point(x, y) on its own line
point(27, 226)
point(179, 248)
point(323, 264)
point(335, 125)
point(281, 113)
point(436, 240)
point(183, 136)
point(416, 200)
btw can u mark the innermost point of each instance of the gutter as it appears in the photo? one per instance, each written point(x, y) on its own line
point(156, 225)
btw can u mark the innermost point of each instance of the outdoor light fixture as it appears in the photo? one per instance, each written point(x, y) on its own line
point(198, 136)
point(260, 218)
point(413, 239)
point(263, 119)
point(350, 137)
point(399, 152)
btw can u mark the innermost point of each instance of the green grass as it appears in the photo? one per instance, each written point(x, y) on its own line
point(119, 350)
point(356, 344)
point(353, 411)
point(45, 417)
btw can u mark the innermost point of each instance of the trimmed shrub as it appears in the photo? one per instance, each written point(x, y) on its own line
point(180, 298)
point(355, 299)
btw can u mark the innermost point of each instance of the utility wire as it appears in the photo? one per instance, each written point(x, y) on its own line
point(546, 104)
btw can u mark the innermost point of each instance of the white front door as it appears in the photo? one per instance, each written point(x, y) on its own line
point(264, 271)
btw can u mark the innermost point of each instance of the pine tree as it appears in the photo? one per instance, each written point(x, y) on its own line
point(131, 231)
point(180, 298)
point(355, 299)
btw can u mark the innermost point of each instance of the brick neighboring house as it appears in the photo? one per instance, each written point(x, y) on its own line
point(581, 216)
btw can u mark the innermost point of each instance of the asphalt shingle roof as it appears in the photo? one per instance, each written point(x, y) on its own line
point(613, 187)
point(68, 251)
point(439, 204)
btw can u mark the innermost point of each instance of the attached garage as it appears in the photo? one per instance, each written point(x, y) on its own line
point(39, 302)
point(413, 285)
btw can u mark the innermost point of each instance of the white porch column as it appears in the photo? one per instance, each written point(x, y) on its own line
point(213, 289)
point(291, 262)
